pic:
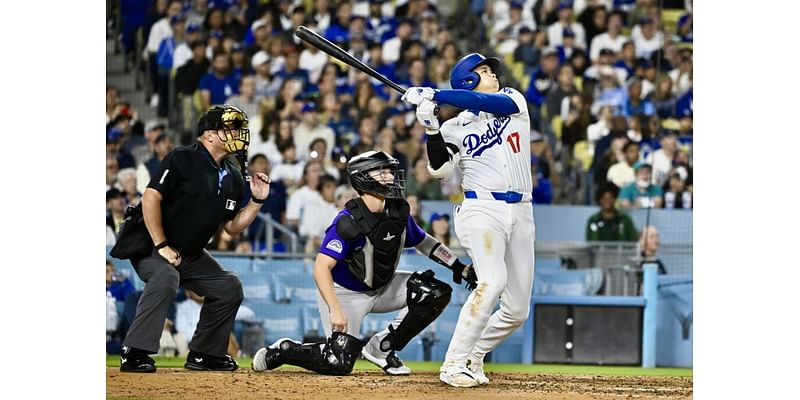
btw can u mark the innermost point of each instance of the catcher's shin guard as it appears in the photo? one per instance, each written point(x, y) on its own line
point(335, 357)
point(427, 297)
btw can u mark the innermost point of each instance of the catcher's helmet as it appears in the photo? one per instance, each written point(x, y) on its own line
point(361, 170)
point(227, 118)
point(462, 75)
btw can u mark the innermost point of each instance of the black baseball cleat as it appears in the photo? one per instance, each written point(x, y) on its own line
point(204, 362)
point(269, 358)
point(135, 360)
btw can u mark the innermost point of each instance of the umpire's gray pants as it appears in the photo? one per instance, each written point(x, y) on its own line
point(200, 274)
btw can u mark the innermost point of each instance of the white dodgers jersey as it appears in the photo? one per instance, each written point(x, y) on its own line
point(495, 151)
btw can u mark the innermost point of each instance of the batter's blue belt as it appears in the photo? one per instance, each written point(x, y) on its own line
point(508, 197)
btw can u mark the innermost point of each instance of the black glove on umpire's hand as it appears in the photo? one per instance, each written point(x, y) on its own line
point(469, 276)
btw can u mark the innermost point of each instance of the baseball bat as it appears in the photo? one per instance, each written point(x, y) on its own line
point(336, 52)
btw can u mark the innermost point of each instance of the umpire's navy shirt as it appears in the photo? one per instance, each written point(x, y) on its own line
point(339, 249)
point(198, 195)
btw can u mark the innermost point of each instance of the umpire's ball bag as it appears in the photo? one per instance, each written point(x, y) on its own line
point(134, 241)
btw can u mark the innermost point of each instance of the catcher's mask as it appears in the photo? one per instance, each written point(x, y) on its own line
point(378, 173)
point(231, 125)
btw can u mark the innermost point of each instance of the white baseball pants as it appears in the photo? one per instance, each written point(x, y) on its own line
point(499, 238)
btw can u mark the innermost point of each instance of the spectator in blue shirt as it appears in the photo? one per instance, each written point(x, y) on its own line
point(542, 188)
point(338, 31)
point(609, 91)
point(375, 60)
point(239, 66)
point(416, 74)
point(258, 34)
point(133, 13)
point(567, 46)
point(219, 84)
point(117, 283)
point(378, 27)
point(292, 70)
point(627, 59)
point(526, 52)
point(275, 205)
point(164, 58)
point(685, 105)
point(685, 28)
point(541, 82)
point(663, 99)
point(634, 104)
point(684, 112)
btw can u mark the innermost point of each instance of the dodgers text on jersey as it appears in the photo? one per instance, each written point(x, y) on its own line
point(493, 136)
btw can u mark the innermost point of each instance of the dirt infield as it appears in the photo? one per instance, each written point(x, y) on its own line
point(174, 383)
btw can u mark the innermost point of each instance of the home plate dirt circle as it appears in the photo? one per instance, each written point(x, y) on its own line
point(177, 383)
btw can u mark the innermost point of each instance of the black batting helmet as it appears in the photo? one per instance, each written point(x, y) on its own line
point(360, 166)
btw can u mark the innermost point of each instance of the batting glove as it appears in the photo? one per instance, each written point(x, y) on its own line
point(426, 115)
point(415, 94)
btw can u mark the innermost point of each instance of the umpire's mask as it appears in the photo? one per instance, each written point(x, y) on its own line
point(231, 125)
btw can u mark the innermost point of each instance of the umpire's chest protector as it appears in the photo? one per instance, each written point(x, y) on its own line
point(385, 233)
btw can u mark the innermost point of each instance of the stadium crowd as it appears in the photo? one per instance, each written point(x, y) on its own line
point(609, 86)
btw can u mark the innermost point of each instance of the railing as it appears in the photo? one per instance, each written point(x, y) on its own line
point(267, 229)
point(621, 262)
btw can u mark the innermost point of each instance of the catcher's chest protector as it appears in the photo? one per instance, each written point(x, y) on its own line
point(385, 233)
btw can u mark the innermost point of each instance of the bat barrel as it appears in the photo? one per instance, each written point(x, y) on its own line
point(337, 52)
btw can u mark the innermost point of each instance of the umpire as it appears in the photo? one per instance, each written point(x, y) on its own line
point(197, 188)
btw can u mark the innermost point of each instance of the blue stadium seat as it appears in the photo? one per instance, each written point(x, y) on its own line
point(442, 329)
point(286, 275)
point(510, 350)
point(312, 321)
point(282, 292)
point(567, 282)
point(547, 263)
point(375, 322)
point(460, 294)
point(412, 351)
point(259, 286)
point(281, 267)
point(260, 306)
point(238, 265)
point(282, 320)
point(301, 289)
point(418, 262)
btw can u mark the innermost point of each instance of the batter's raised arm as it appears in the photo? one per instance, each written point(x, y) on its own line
point(494, 103)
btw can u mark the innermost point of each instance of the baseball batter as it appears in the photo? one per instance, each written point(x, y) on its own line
point(490, 143)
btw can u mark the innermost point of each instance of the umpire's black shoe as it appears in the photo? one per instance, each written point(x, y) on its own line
point(204, 362)
point(135, 360)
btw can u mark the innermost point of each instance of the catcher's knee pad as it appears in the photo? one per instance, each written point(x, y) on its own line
point(335, 357)
point(426, 297)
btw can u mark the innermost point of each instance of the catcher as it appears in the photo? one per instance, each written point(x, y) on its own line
point(355, 272)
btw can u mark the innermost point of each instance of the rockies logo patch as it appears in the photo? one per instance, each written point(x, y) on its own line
point(334, 245)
